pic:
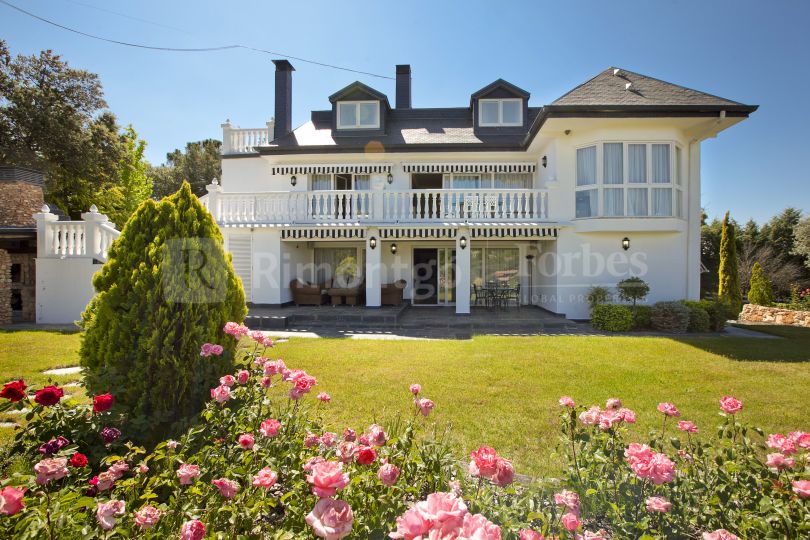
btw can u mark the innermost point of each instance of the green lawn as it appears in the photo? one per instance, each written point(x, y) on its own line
point(503, 391)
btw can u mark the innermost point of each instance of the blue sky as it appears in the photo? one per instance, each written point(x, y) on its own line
point(753, 52)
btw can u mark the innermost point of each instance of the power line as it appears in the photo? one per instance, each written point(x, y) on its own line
point(190, 49)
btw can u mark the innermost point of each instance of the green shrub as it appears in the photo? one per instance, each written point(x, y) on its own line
point(672, 317)
point(718, 313)
point(144, 327)
point(612, 318)
point(633, 289)
point(641, 317)
point(760, 291)
point(598, 295)
point(699, 319)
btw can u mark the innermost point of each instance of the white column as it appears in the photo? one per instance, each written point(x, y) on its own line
point(271, 273)
point(214, 189)
point(226, 137)
point(373, 268)
point(463, 271)
point(694, 214)
point(44, 233)
point(92, 240)
point(271, 127)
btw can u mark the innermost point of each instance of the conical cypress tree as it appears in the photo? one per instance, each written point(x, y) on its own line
point(167, 287)
point(729, 276)
point(760, 291)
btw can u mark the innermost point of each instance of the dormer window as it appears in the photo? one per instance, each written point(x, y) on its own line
point(500, 112)
point(358, 115)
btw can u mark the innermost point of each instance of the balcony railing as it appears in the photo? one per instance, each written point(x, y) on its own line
point(245, 140)
point(386, 207)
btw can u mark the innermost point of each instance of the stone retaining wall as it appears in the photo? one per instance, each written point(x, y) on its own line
point(771, 315)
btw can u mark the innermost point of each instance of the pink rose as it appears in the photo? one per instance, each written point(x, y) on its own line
point(414, 523)
point(477, 527)
point(376, 435)
point(591, 416)
point(51, 469)
point(257, 336)
point(388, 474)
point(504, 473)
point(106, 512)
point(270, 427)
point(613, 403)
point(801, 439)
point(801, 488)
point(311, 462)
point(346, 451)
point(662, 470)
point(628, 416)
point(147, 517)
point(216, 349)
point(105, 481)
point(227, 488)
point(260, 361)
point(445, 510)
point(143, 468)
point(187, 473)
point(610, 418)
point(638, 451)
point(349, 435)
point(719, 534)
point(730, 404)
point(11, 500)
point(658, 504)
point(246, 441)
point(231, 328)
point(570, 521)
point(310, 440)
point(778, 462)
point(265, 478)
point(192, 530)
point(331, 519)
point(485, 460)
point(328, 439)
point(265, 382)
point(171, 444)
point(668, 409)
point(221, 393)
point(324, 397)
point(242, 376)
point(424, 405)
point(118, 469)
point(274, 367)
point(227, 380)
point(415, 389)
point(527, 534)
point(687, 426)
point(364, 440)
point(568, 499)
point(589, 535)
point(327, 477)
point(566, 401)
point(205, 350)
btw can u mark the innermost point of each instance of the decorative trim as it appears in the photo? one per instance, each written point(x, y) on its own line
point(356, 168)
point(323, 234)
point(469, 167)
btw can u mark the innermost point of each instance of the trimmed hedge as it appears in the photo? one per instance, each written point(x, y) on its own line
point(719, 313)
point(612, 318)
point(642, 317)
point(699, 319)
point(672, 317)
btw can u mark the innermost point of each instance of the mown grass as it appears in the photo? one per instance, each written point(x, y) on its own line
point(503, 391)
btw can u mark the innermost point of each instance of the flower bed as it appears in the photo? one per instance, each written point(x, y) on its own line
point(260, 464)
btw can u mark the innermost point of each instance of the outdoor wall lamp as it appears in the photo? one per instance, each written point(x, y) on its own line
point(390, 178)
point(545, 162)
point(372, 242)
point(293, 180)
point(394, 248)
point(462, 242)
point(625, 243)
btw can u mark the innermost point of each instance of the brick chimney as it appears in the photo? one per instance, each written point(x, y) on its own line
point(283, 98)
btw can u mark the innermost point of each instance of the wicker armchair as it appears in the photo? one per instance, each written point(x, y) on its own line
point(393, 293)
point(308, 294)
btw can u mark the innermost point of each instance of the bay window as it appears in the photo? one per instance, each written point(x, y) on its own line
point(615, 179)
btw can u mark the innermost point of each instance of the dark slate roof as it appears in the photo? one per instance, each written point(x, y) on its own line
point(500, 83)
point(608, 88)
point(355, 87)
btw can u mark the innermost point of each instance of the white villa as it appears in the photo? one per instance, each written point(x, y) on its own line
point(602, 184)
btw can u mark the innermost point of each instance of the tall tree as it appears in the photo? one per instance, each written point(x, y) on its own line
point(198, 164)
point(52, 119)
point(778, 232)
point(728, 274)
point(749, 233)
point(133, 185)
point(801, 241)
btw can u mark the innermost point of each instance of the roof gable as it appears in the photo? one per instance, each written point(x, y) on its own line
point(500, 88)
point(358, 91)
point(610, 88)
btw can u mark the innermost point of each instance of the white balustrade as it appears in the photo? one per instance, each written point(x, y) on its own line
point(90, 238)
point(414, 206)
point(68, 239)
point(243, 141)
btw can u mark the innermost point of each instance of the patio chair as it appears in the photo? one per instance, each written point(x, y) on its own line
point(392, 294)
point(514, 294)
point(477, 295)
point(308, 294)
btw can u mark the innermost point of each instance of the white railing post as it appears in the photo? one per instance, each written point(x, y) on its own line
point(271, 128)
point(44, 232)
point(227, 146)
point(214, 190)
point(92, 235)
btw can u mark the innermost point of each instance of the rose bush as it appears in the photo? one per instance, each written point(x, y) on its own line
point(261, 464)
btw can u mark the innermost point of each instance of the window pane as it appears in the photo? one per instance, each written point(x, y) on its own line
point(347, 114)
point(614, 163)
point(321, 181)
point(679, 203)
point(477, 267)
point(511, 112)
point(637, 201)
point(362, 182)
point(586, 202)
point(513, 181)
point(614, 202)
point(662, 202)
point(678, 178)
point(637, 156)
point(586, 166)
point(501, 266)
point(660, 163)
point(368, 114)
point(466, 181)
point(489, 112)
point(338, 264)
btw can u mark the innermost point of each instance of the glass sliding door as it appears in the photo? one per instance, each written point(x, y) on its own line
point(447, 276)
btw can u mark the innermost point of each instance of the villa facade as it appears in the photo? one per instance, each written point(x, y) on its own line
point(600, 185)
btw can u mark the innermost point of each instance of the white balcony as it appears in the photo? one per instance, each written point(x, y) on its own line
point(378, 207)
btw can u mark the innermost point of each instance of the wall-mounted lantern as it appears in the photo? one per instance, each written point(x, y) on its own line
point(372, 242)
point(390, 178)
point(625, 243)
point(293, 180)
point(394, 248)
point(544, 162)
point(462, 242)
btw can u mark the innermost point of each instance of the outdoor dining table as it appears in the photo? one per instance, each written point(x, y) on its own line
point(497, 296)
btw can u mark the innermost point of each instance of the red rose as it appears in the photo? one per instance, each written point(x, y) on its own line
point(78, 460)
point(366, 455)
point(102, 403)
point(14, 391)
point(50, 395)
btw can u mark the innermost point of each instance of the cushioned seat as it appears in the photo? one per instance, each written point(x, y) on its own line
point(308, 294)
point(393, 293)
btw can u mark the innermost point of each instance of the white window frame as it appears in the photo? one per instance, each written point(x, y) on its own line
point(676, 181)
point(357, 124)
point(332, 182)
point(500, 122)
